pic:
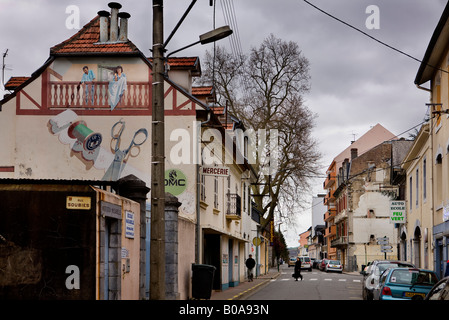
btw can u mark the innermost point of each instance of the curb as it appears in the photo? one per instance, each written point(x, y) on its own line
point(247, 293)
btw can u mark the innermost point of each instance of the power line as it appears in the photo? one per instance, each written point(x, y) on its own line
point(371, 37)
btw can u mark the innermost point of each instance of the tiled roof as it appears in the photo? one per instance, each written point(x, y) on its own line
point(86, 41)
point(14, 82)
point(184, 63)
point(202, 91)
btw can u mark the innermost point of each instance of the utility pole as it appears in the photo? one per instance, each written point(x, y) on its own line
point(157, 243)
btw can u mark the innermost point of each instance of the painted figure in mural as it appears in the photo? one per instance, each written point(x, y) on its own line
point(117, 87)
point(88, 79)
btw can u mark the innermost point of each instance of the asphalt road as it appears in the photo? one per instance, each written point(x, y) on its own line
point(316, 285)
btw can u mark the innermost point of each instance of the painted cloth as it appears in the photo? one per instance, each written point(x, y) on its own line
point(116, 90)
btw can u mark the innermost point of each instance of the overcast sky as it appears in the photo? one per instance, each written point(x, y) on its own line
point(355, 81)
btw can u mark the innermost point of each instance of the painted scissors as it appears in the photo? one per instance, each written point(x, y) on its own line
point(115, 169)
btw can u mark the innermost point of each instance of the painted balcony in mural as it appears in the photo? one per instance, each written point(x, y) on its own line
point(98, 95)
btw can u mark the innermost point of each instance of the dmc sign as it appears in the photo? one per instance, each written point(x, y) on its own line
point(175, 181)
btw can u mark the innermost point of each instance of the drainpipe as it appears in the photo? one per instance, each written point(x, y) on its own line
point(198, 189)
point(422, 88)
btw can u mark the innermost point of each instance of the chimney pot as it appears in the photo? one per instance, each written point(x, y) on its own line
point(124, 16)
point(114, 20)
point(104, 19)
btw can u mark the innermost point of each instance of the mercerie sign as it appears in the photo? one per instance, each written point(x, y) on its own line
point(215, 171)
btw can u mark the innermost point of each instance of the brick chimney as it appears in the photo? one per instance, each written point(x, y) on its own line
point(353, 153)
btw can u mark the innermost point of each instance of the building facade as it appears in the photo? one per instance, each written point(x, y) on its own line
point(86, 115)
point(432, 76)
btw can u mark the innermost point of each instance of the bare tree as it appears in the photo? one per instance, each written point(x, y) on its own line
point(265, 91)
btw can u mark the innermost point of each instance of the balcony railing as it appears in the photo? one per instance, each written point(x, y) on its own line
point(340, 242)
point(331, 231)
point(329, 181)
point(64, 94)
point(233, 207)
point(330, 213)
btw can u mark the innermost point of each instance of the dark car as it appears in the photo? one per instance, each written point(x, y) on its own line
point(316, 264)
point(440, 291)
point(323, 264)
point(372, 273)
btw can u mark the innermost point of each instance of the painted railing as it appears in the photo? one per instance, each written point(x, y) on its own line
point(67, 94)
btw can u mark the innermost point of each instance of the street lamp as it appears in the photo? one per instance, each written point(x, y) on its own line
point(208, 37)
point(157, 242)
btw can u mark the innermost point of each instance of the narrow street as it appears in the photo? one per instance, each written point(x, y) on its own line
point(316, 285)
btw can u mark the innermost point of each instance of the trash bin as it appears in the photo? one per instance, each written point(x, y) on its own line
point(202, 281)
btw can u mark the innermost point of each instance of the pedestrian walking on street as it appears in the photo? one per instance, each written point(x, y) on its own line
point(297, 273)
point(250, 264)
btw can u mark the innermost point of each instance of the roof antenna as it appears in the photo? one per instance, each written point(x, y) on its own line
point(3, 69)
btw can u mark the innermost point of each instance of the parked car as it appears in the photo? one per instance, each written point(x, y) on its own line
point(323, 264)
point(316, 264)
point(372, 273)
point(306, 263)
point(440, 291)
point(405, 284)
point(291, 262)
point(333, 265)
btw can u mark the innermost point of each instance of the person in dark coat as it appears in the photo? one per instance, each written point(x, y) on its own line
point(250, 264)
point(297, 273)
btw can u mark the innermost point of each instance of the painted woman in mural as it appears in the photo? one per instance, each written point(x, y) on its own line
point(117, 87)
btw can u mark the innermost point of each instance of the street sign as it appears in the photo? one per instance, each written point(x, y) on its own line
point(386, 247)
point(257, 241)
point(397, 211)
point(218, 171)
point(382, 242)
point(386, 250)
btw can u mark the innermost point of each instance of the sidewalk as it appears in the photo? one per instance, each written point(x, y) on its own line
point(245, 288)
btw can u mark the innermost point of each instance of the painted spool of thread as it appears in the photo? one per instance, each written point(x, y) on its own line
point(90, 140)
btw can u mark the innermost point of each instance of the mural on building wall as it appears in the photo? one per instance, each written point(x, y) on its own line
point(83, 140)
point(116, 85)
point(116, 168)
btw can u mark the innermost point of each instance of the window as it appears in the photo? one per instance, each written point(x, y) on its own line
point(203, 188)
point(244, 197)
point(439, 180)
point(410, 187)
point(417, 187)
point(216, 192)
point(424, 178)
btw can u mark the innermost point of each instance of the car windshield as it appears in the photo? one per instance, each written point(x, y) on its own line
point(413, 277)
point(334, 262)
point(306, 259)
point(384, 266)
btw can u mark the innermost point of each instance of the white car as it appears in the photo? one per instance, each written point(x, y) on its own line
point(306, 263)
point(333, 265)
